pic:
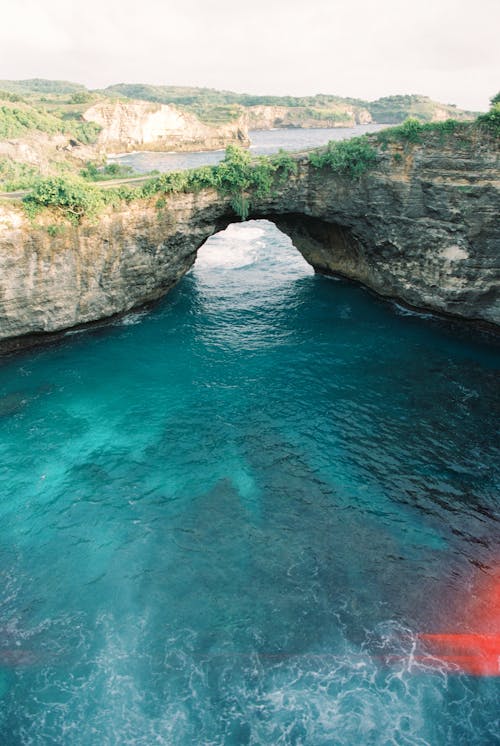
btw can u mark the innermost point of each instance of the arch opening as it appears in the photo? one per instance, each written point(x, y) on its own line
point(328, 248)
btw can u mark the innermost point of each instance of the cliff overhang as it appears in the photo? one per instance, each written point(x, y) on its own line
point(420, 226)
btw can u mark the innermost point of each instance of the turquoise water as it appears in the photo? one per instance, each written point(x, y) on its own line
point(263, 142)
point(223, 521)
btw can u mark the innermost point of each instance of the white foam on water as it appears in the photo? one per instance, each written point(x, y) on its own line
point(133, 318)
point(237, 246)
point(405, 311)
point(256, 246)
point(187, 697)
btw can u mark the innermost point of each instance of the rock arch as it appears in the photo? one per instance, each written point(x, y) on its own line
point(408, 229)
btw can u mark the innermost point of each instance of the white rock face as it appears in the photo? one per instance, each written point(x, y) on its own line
point(454, 253)
point(268, 117)
point(142, 124)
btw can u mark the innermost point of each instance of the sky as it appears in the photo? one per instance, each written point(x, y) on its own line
point(446, 49)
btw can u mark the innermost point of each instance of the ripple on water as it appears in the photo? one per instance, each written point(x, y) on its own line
point(227, 520)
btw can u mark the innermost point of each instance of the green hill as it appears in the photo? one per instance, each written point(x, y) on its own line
point(386, 110)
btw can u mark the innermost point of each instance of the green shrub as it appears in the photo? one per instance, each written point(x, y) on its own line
point(169, 183)
point(410, 130)
point(90, 172)
point(490, 122)
point(350, 157)
point(233, 178)
point(16, 175)
point(14, 97)
point(86, 132)
point(237, 175)
point(72, 198)
point(80, 97)
point(201, 178)
point(14, 122)
point(284, 164)
point(413, 131)
point(262, 172)
point(93, 172)
point(115, 196)
point(233, 173)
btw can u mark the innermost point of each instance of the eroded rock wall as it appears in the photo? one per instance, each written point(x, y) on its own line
point(90, 272)
point(268, 117)
point(141, 125)
point(422, 226)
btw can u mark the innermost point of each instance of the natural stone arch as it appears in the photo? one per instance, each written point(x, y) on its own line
point(327, 247)
point(403, 229)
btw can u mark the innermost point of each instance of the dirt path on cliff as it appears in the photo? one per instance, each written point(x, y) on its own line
point(18, 195)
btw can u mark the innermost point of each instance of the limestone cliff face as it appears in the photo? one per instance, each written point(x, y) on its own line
point(43, 151)
point(93, 271)
point(422, 226)
point(268, 117)
point(141, 125)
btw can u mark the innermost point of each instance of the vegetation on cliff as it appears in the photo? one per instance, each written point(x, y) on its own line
point(241, 177)
point(350, 157)
point(396, 109)
point(238, 176)
point(413, 131)
point(18, 119)
point(204, 102)
point(64, 99)
point(490, 122)
point(39, 113)
point(70, 198)
point(16, 175)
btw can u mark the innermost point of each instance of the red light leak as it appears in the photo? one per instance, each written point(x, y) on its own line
point(474, 648)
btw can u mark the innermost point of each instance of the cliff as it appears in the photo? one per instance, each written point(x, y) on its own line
point(420, 226)
point(269, 117)
point(46, 153)
point(141, 125)
point(304, 111)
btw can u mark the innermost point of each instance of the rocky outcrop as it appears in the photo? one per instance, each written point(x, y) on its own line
point(82, 274)
point(141, 125)
point(46, 152)
point(269, 117)
point(421, 226)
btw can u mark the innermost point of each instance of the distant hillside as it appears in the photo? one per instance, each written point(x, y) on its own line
point(188, 96)
point(208, 103)
point(19, 117)
point(56, 126)
point(395, 109)
point(67, 99)
point(40, 86)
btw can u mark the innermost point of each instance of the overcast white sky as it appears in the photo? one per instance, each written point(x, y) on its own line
point(447, 49)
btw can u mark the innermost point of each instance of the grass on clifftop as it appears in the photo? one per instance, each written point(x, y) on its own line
point(18, 119)
point(490, 122)
point(237, 176)
point(349, 157)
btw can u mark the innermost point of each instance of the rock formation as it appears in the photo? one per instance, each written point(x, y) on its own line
point(142, 125)
point(421, 226)
point(268, 117)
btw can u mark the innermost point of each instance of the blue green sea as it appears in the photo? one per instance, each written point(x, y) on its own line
point(225, 519)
